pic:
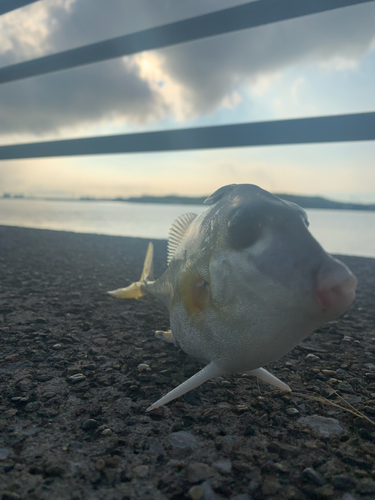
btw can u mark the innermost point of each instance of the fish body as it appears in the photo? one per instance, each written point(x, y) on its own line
point(246, 282)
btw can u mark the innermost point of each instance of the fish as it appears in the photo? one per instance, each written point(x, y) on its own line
point(245, 283)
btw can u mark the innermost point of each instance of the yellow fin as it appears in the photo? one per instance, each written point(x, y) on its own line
point(138, 289)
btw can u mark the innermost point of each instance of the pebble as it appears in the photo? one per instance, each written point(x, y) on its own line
point(78, 377)
point(343, 482)
point(195, 493)
point(313, 475)
point(100, 464)
point(91, 366)
point(292, 411)
point(322, 425)
point(143, 367)
point(89, 424)
point(182, 439)
point(366, 486)
point(312, 358)
point(208, 492)
point(4, 453)
point(242, 496)
point(224, 465)
point(41, 320)
point(9, 413)
point(10, 495)
point(107, 432)
point(141, 470)
point(345, 387)
point(196, 471)
point(224, 405)
point(57, 347)
point(270, 486)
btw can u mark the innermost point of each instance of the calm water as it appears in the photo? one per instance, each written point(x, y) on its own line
point(339, 231)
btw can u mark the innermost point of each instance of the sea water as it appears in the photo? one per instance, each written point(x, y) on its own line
point(348, 232)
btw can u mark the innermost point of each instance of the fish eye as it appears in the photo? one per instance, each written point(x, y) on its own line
point(244, 229)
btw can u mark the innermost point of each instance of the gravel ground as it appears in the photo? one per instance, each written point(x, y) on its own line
point(78, 368)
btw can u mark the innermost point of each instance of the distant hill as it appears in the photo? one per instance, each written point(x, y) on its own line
point(303, 201)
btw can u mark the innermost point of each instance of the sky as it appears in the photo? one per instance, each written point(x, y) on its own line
point(317, 65)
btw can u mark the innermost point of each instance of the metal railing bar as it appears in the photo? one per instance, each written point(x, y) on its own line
point(241, 17)
point(9, 5)
point(323, 129)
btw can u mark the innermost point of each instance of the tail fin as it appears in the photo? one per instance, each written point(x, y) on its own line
point(137, 289)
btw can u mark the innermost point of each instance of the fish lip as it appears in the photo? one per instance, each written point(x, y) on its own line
point(335, 298)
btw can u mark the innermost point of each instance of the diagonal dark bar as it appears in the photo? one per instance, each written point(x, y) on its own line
point(9, 5)
point(340, 128)
point(236, 18)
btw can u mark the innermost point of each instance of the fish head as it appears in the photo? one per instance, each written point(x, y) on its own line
point(267, 269)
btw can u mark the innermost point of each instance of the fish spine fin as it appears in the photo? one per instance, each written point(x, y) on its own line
point(208, 372)
point(138, 289)
point(177, 232)
point(267, 377)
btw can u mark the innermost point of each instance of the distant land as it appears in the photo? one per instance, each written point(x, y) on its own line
point(303, 201)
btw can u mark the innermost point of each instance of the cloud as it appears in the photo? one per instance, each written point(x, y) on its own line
point(178, 83)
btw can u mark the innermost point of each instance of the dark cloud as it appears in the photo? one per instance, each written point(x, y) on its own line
point(207, 71)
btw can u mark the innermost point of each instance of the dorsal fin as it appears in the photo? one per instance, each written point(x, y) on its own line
point(177, 232)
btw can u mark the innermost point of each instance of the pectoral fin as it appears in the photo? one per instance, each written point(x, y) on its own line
point(266, 376)
point(208, 372)
point(167, 336)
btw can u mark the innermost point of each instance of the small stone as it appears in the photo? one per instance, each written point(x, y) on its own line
point(91, 366)
point(370, 376)
point(343, 482)
point(366, 486)
point(49, 394)
point(195, 493)
point(208, 492)
point(325, 492)
point(77, 378)
point(57, 347)
point(196, 471)
point(9, 413)
point(107, 432)
point(10, 495)
point(313, 475)
point(100, 464)
point(4, 453)
point(182, 439)
point(89, 424)
point(270, 486)
point(41, 320)
point(242, 496)
point(33, 406)
point(331, 373)
point(345, 387)
point(224, 404)
point(223, 465)
point(322, 425)
point(292, 411)
point(143, 367)
point(312, 358)
point(141, 470)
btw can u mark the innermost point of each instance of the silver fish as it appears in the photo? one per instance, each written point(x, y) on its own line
point(246, 282)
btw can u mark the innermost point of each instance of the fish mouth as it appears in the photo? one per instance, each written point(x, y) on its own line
point(336, 290)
